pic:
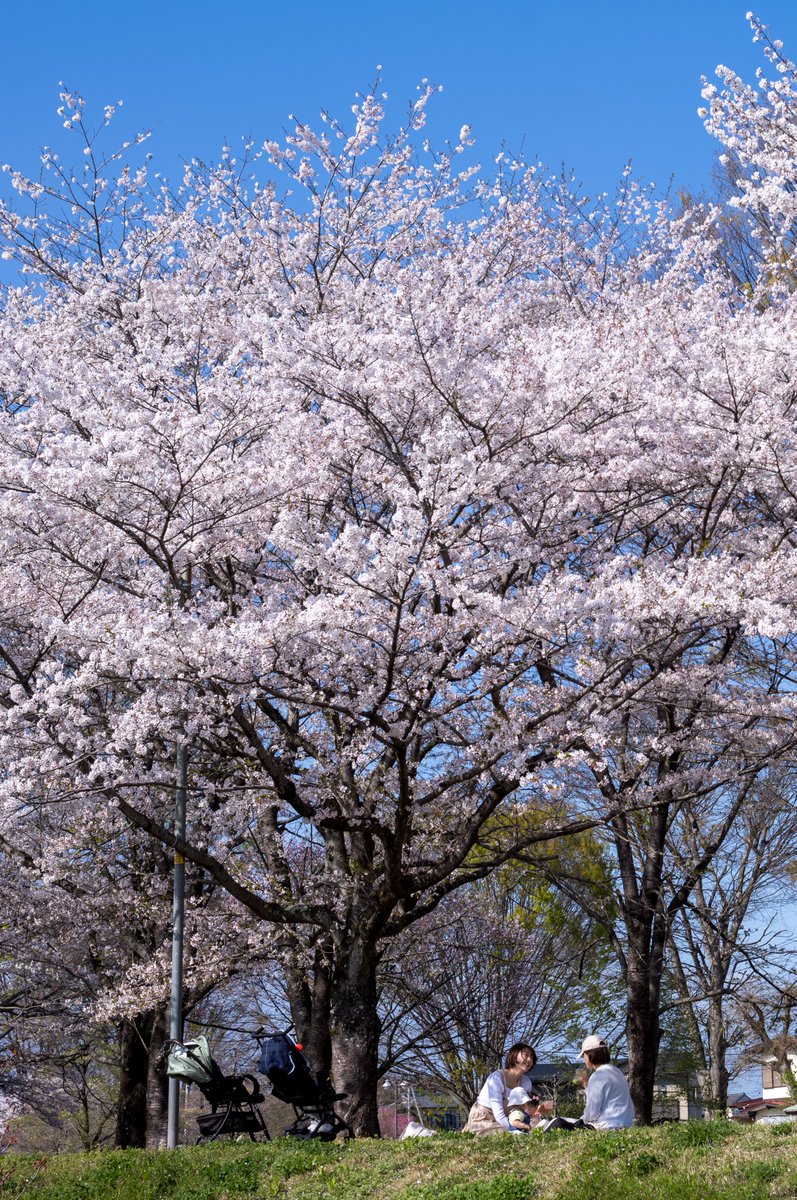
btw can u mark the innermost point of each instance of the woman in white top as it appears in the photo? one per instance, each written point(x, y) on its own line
point(489, 1113)
point(609, 1104)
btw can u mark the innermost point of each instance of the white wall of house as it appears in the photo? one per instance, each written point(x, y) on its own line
point(772, 1085)
point(677, 1101)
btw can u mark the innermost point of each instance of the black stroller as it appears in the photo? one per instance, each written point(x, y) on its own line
point(234, 1099)
point(294, 1082)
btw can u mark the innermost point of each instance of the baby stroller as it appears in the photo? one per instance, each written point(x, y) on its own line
point(294, 1082)
point(233, 1099)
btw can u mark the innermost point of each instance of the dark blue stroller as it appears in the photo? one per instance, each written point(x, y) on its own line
point(294, 1082)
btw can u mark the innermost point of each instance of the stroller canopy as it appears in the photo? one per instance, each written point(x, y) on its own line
point(289, 1073)
point(192, 1062)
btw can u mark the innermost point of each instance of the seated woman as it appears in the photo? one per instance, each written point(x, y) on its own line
point(609, 1104)
point(489, 1113)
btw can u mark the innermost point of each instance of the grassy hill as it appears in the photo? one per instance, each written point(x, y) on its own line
point(696, 1161)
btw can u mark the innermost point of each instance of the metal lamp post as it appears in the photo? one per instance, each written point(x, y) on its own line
point(178, 924)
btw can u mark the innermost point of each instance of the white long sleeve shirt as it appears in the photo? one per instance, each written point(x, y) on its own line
point(609, 1104)
point(494, 1093)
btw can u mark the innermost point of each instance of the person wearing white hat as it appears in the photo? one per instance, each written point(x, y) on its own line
point(609, 1104)
point(523, 1110)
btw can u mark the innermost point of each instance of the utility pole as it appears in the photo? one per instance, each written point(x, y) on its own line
point(178, 923)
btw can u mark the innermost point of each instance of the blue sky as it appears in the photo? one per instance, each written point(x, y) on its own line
point(585, 84)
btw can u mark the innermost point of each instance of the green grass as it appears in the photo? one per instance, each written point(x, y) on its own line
point(698, 1161)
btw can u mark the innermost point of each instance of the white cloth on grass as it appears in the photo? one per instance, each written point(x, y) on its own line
point(415, 1129)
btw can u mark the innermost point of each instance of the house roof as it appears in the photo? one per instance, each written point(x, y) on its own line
point(758, 1104)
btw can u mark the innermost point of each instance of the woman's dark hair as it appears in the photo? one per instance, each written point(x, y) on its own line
point(597, 1057)
point(514, 1052)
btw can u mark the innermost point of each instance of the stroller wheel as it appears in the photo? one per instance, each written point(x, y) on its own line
point(254, 1136)
point(320, 1127)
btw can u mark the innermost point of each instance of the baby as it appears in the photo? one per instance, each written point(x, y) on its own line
point(524, 1110)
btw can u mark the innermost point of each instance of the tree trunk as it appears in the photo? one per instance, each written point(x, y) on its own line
point(131, 1113)
point(647, 929)
point(699, 1051)
point(718, 1050)
point(355, 1038)
point(643, 1033)
point(157, 1080)
point(308, 994)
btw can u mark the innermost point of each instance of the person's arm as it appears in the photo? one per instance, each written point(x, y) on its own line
point(495, 1092)
point(544, 1107)
point(595, 1100)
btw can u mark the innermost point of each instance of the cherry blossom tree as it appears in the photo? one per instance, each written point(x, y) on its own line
point(406, 498)
point(754, 124)
point(83, 922)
